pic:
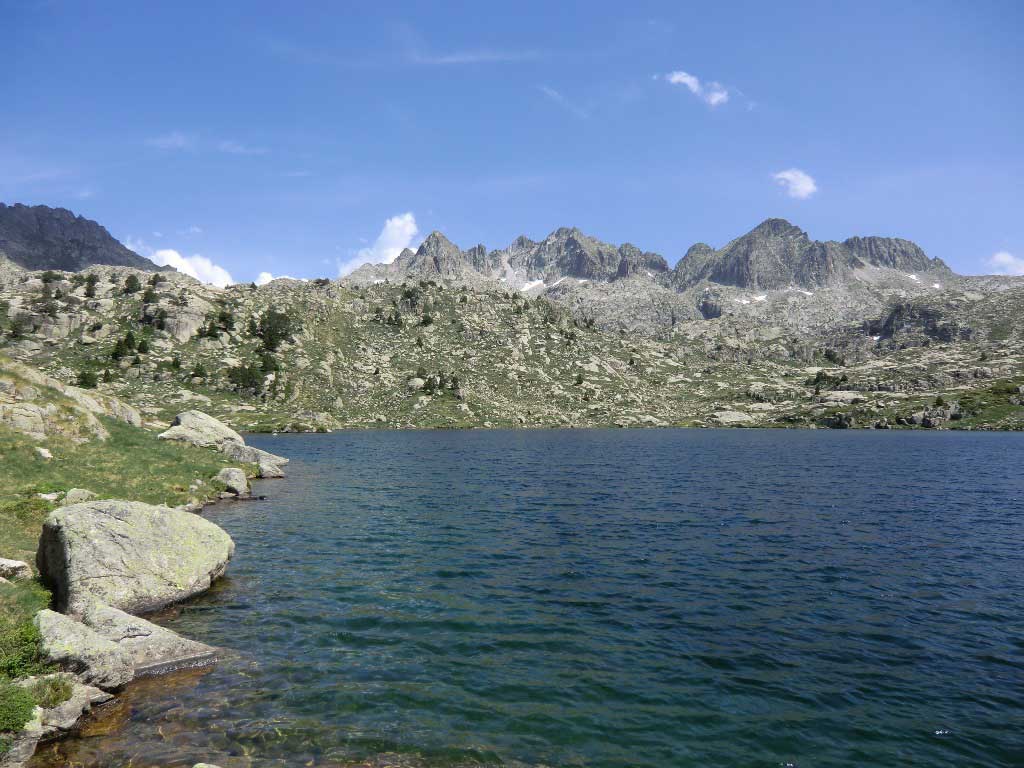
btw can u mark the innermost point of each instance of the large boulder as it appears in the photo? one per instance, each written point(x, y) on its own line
point(201, 429)
point(80, 650)
point(151, 649)
point(129, 555)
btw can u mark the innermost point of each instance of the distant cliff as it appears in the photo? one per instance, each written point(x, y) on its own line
point(40, 237)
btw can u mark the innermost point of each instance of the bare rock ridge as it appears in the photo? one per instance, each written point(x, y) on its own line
point(773, 255)
point(776, 255)
point(40, 237)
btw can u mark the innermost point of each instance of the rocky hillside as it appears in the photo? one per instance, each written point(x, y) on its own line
point(298, 355)
point(40, 237)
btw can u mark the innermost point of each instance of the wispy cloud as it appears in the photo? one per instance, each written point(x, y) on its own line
point(798, 184)
point(173, 141)
point(711, 93)
point(231, 147)
point(1005, 263)
point(479, 56)
point(297, 174)
point(559, 99)
point(399, 233)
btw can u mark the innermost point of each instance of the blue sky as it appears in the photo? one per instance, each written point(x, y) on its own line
point(299, 138)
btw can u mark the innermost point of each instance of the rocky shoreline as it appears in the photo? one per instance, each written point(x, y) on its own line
point(107, 561)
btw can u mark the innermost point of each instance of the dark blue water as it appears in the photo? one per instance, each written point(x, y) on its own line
point(609, 598)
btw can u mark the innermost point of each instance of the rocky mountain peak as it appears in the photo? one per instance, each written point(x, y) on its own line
point(40, 237)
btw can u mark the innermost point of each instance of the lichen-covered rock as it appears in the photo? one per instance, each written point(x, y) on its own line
point(150, 648)
point(80, 650)
point(129, 555)
point(249, 455)
point(234, 480)
point(201, 429)
point(78, 495)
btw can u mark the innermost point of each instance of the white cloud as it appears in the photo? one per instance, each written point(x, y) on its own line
point(685, 78)
point(796, 183)
point(199, 267)
point(192, 229)
point(265, 277)
point(175, 140)
point(713, 94)
point(560, 99)
point(237, 148)
point(1005, 263)
point(399, 233)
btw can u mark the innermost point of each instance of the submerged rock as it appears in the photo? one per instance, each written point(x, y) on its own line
point(151, 649)
point(129, 555)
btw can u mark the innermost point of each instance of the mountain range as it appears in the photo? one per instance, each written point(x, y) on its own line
point(771, 329)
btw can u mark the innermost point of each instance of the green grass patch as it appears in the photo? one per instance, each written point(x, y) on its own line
point(130, 464)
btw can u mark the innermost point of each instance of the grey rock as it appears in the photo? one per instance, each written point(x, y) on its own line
point(234, 480)
point(150, 648)
point(249, 455)
point(201, 429)
point(78, 495)
point(80, 650)
point(14, 569)
point(129, 555)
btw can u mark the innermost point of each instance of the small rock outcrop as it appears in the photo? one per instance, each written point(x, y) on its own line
point(14, 569)
point(129, 555)
point(234, 481)
point(83, 652)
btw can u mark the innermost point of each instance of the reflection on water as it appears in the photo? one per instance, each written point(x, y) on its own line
point(604, 598)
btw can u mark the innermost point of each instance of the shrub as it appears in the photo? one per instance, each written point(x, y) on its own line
point(268, 363)
point(19, 643)
point(246, 377)
point(90, 286)
point(275, 327)
point(16, 707)
point(87, 379)
point(49, 276)
point(198, 372)
point(150, 297)
point(143, 346)
point(132, 284)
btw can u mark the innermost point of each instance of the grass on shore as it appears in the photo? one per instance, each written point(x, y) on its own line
point(130, 464)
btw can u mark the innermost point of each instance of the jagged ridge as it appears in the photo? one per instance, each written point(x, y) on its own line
point(40, 237)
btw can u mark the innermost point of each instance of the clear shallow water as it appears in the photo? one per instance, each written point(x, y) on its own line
point(606, 598)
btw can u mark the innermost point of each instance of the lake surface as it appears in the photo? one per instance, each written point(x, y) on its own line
point(606, 598)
